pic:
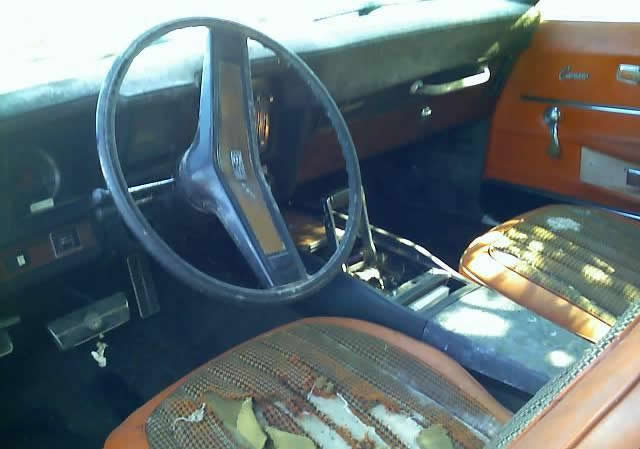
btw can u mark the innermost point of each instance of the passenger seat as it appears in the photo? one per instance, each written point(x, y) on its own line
point(578, 267)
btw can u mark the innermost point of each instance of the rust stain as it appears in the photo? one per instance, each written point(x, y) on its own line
point(324, 388)
point(225, 394)
point(277, 418)
point(296, 405)
point(367, 443)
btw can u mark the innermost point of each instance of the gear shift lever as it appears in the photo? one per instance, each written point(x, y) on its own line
point(340, 200)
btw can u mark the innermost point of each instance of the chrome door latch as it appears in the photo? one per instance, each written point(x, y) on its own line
point(551, 119)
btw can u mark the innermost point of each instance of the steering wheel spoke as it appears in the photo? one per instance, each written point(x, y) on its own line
point(226, 142)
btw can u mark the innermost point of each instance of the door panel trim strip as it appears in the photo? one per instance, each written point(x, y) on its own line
point(626, 110)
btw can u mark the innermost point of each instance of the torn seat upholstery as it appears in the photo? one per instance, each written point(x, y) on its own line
point(576, 266)
point(322, 383)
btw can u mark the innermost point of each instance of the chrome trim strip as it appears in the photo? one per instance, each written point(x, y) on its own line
point(627, 110)
point(624, 214)
point(151, 185)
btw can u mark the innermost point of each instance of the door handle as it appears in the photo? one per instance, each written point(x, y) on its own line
point(551, 118)
point(419, 88)
point(628, 73)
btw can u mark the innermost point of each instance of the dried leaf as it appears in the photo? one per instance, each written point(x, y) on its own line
point(286, 440)
point(248, 425)
point(434, 437)
point(225, 409)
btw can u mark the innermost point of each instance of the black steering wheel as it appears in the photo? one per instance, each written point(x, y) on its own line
point(221, 174)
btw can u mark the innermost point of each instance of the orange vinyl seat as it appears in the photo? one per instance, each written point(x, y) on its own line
point(578, 267)
point(321, 382)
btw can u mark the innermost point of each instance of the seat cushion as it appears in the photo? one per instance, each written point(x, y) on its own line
point(579, 267)
point(338, 383)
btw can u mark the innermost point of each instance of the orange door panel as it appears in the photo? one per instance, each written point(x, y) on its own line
point(572, 65)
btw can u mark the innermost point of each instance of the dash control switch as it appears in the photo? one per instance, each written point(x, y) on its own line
point(17, 261)
point(65, 241)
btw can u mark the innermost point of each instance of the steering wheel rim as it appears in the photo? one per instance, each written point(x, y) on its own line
point(140, 226)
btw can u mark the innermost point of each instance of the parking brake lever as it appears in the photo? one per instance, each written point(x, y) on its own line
point(340, 200)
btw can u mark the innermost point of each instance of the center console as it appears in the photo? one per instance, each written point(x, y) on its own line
point(397, 283)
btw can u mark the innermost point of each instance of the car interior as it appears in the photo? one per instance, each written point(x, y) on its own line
point(409, 224)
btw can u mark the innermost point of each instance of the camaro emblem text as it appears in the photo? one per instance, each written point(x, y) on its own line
point(567, 74)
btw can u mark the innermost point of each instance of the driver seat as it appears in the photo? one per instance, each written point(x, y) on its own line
point(318, 383)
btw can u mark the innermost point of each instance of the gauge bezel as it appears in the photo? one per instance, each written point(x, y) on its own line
point(265, 97)
point(27, 158)
point(55, 169)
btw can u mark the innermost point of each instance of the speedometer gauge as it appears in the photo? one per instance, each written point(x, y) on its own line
point(35, 179)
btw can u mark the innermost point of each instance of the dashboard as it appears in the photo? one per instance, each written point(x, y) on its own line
point(48, 159)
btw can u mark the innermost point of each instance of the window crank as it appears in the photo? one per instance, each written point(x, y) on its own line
point(551, 118)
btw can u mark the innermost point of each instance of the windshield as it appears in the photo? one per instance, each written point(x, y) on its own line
point(78, 28)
